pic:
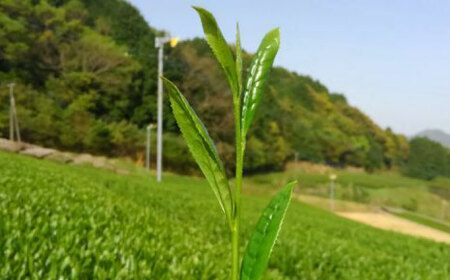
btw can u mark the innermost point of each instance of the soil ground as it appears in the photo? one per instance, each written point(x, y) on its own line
point(390, 222)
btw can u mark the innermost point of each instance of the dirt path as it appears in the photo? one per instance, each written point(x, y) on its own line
point(391, 222)
point(371, 216)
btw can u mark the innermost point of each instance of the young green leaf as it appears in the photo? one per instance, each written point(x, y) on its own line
point(201, 147)
point(219, 47)
point(259, 68)
point(264, 235)
point(238, 59)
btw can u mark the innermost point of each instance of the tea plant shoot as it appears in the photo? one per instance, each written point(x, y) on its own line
point(246, 98)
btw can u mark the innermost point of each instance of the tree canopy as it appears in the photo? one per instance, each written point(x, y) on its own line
point(86, 81)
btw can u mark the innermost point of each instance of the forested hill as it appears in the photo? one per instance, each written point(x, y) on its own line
point(85, 74)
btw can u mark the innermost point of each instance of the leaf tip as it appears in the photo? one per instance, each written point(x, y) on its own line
point(168, 84)
point(275, 33)
point(201, 11)
point(165, 80)
point(291, 185)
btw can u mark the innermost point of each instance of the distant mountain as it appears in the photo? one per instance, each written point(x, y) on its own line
point(436, 135)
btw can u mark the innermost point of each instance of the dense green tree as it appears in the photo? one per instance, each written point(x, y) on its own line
point(70, 79)
point(374, 158)
point(428, 159)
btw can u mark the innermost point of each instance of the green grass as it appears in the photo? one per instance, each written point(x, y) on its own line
point(82, 223)
point(378, 189)
point(424, 221)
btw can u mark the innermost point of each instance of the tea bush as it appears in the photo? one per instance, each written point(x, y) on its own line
point(73, 222)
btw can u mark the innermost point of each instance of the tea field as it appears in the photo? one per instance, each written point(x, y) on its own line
point(74, 222)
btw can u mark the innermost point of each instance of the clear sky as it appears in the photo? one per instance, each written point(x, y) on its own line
point(390, 58)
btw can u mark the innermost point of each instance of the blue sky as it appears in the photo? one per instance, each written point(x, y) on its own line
point(390, 58)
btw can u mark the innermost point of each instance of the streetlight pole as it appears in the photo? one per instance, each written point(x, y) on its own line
point(159, 43)
point(149, 137)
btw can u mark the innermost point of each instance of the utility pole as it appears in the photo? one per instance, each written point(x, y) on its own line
point(11, 114)
point(159, 43)
point(13, 121)
point(149, 137)
point(332, 179)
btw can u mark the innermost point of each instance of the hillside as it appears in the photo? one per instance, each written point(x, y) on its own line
point(85, 74)
point(437, 135)
point(80, 222)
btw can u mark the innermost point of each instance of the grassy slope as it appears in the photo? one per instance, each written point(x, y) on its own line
point(380, 189)
point(85, 223)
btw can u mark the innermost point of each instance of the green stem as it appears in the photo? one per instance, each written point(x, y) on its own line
point(235, 252)
point(237, 216)
point(240, 148)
